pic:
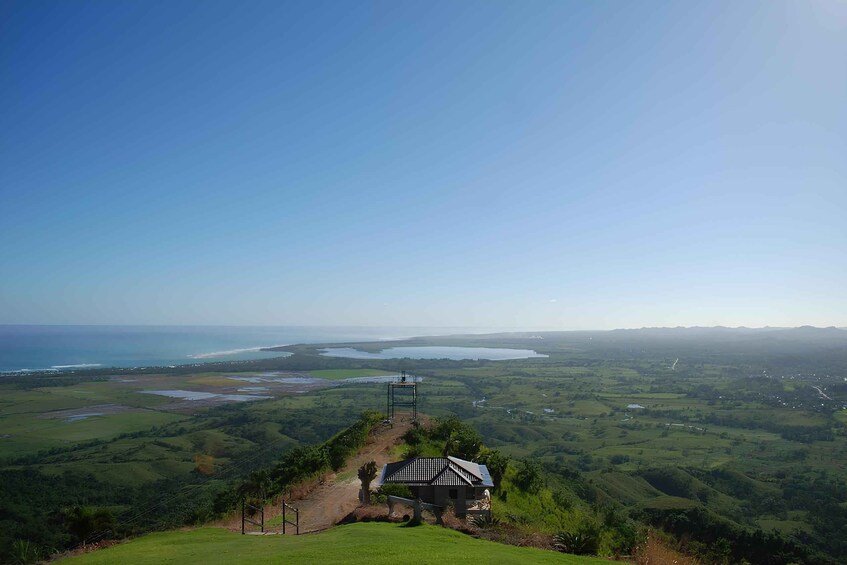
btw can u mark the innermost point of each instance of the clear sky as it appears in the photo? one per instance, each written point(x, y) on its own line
point(573, 165)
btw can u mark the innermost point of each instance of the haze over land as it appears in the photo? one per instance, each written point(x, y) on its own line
point(565, 165)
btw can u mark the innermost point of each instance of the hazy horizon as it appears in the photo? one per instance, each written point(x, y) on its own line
point(482, 329)
point(556, 166)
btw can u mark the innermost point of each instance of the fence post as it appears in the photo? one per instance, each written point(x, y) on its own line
point(242, 516)
point(417, 513)
point(283, 516)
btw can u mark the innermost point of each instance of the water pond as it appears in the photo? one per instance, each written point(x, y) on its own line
point(435, 352)
point(196, 395)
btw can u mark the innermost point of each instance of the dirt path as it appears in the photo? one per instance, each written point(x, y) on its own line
point(339, 495)
point(324, 504)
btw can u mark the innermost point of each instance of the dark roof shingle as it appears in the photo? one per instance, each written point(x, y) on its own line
point(441, 471)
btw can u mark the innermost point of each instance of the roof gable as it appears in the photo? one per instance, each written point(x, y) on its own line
point(440, 471)
point(450, 478)
point(468, 466)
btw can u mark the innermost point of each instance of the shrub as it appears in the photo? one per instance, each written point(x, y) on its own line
point(392, 489)
point(485, 522)
point(413, 451)
point(584, 540)
point(528, 477)
point(415, 435)
point(496, 463)
point(25, 552)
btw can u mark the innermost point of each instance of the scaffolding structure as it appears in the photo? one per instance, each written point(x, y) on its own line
point(403, 393)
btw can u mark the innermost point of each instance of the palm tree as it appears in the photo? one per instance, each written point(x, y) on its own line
point(258, 484)
point(83, 522)
point(367, 473)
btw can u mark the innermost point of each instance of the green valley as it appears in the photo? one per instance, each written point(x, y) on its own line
point(727, 437)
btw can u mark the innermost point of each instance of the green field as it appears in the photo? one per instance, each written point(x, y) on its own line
point(371, 543)
point(737, 430)
point(336, 374)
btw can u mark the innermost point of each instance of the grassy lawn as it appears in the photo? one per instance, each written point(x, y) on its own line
point(371, 543)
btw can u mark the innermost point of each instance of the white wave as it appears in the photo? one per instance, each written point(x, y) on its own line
point(229, 352)
point(77, 366)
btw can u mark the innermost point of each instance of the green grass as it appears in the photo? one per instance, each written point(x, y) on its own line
point(784, 526)
point(335, 374)
point(371, 543)
point(670, 503)
point(27, 433)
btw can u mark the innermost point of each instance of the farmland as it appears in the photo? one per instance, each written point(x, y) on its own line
point(744, 429)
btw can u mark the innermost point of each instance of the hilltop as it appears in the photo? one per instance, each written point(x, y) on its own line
point(372, 543)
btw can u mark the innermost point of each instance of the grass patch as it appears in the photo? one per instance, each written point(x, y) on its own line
point(336, 374)
point(372, 543)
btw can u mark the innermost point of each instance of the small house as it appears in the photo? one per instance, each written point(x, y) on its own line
point(443, 480)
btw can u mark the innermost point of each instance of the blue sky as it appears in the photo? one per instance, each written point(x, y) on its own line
point(513, 164)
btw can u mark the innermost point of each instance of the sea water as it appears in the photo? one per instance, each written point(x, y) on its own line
point(38, 348)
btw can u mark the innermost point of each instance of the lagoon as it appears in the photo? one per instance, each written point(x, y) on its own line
point(435, 352)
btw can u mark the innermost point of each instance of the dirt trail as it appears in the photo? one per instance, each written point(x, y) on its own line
point(336, 494)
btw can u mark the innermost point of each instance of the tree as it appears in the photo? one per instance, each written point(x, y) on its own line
point(496, 464)
point(528, 476)
point(83, 522)
point(367, 473)
point(463, 443)
point(257, 485)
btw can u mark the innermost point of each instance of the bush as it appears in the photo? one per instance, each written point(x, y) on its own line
point(413, 451)
point(496, 463)
point(415, 435)
point(485, 522)
point(528, 477)
point(25, 552)
point(392, 489)
point(584, 540)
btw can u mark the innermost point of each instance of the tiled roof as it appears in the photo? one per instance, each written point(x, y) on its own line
point(469, 466)
point(450, 478)
point(441, 471)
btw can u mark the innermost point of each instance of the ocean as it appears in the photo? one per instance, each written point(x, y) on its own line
point(25, 348)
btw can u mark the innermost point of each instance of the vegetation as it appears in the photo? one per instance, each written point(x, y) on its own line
point(371, 543)
point(367, 473)
point(735, 438)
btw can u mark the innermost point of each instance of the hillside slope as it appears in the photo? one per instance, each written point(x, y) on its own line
point(372, 543)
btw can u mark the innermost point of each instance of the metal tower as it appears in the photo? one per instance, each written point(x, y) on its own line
point(403, 393)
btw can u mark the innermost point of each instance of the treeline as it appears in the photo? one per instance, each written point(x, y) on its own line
point(298, 465)
point(42, 514)
point(718, 540)
point(34, 505)
point(818, 496)
point(801, 434)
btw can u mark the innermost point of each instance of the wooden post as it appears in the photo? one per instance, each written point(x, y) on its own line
point(283, 516)
point(417, 513)
point(438, 513)
point(242, 516)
